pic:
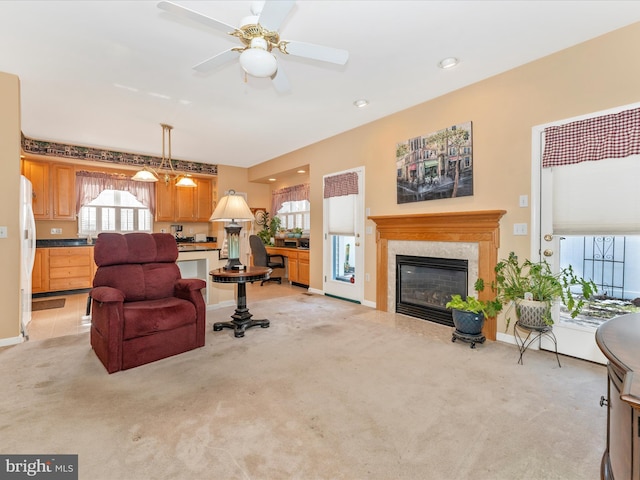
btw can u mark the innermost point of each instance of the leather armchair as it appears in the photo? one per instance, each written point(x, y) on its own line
point(142, 310)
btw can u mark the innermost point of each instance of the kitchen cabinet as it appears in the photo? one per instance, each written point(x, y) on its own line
point(70, 268)
point(40, 273)
point(53, 189)
point(185, 204)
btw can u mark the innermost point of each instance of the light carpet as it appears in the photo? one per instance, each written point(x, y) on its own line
point(332, 390)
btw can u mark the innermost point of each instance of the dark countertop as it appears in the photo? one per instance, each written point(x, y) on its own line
point(82, 242)
point(63, 242)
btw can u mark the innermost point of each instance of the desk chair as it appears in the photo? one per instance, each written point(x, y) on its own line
point(262, 259)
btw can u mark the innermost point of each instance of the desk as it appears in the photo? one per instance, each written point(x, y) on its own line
point(241, 318)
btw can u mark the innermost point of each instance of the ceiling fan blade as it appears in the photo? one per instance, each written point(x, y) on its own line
point(280, 81)
point(184, 12)
point(274, 12)
point(216, 61)
point(316, 52)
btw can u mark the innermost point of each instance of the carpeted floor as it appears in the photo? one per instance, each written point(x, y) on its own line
point(332, 390)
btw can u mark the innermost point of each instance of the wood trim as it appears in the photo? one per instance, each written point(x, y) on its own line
point(481, 227)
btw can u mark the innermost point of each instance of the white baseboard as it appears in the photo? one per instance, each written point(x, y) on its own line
point(5, 342)
point(368, 303)
point(316, 291)
point(506, 338)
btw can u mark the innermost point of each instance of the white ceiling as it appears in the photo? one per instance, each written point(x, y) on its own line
point(107, 73)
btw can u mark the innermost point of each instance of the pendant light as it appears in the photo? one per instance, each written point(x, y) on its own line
point(148, 174)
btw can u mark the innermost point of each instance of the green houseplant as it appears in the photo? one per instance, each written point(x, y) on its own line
point(532, 287)
point(469, 315)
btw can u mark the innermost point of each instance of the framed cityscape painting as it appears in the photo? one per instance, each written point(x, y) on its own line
point(436, 165)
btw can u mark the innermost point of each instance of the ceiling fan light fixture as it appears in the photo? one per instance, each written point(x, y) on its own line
point(258, 62)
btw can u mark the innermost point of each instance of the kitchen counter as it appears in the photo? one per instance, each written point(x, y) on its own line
point(63, 242)
point(82, 242)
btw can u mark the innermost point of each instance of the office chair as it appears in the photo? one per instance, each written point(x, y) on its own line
point(262, 259)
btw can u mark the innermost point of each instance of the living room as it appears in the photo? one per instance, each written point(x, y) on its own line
point(593, 76)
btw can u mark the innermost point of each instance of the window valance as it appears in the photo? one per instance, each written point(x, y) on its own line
point(288, 194)
point(90, 184)
point(598, 138)
point(341, 185)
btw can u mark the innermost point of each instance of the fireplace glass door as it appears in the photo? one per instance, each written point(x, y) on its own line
point(424, 285)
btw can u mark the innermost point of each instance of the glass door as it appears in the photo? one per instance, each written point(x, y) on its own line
point(343, 225)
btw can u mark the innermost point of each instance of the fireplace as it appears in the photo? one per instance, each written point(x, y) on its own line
point(444, 232)
point(424, 285)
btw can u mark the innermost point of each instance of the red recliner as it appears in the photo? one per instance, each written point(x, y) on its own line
point(142, 310)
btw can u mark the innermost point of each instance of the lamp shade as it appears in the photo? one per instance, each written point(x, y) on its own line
point(231, 207)
point(186, 181)
point(144, 175)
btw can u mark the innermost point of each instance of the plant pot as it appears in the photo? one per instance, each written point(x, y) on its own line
point(531, 313)
point(468, 323)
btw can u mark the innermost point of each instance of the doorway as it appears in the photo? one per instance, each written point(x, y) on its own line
point(560, 195)
point(343, 225)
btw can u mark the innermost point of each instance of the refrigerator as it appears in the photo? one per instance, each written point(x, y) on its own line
point(27, 253)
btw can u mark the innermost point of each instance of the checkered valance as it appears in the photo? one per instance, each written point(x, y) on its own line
point(608, 136)
point(340, 185)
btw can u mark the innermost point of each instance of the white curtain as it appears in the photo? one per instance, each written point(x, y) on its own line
point(340, 193)
point(90, 184)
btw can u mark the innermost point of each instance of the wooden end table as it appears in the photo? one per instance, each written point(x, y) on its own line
point(241, 318)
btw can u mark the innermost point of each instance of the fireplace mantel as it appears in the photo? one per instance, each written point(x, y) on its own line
point(481, 227)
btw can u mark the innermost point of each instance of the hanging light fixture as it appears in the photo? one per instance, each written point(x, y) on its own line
point(148, 174)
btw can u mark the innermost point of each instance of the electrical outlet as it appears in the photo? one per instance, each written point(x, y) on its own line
point(56, 231)
point(368, 230)
point(367, 277)
point(3, 232)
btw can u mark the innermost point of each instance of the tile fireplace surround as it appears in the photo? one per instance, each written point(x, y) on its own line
point(481, 228)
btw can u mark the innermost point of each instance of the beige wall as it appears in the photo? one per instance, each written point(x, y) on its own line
point(10, 208)
point(592, 76)
point(589, 77)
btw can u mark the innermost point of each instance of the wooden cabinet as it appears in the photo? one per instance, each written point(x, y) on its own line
point(40, 273)
point(618, 339)
point(303, 267)
point(297, 263)
point(70, 268)
point(184, 204)
point(53, 187)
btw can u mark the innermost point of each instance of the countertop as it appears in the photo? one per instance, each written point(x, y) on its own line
point(82, 242)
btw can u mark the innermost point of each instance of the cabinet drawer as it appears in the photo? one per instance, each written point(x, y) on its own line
point(72, 271)
point(67, 283)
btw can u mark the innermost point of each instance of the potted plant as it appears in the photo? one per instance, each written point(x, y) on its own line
point(533, 288)
point(297, 232)
point(469, 315)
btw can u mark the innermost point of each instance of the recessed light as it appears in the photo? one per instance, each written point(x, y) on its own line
point(448, 62)
point(361, 103)
point(272, 179)
point(302, 171)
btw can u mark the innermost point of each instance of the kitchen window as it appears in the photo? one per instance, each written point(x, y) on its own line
point(114, 211)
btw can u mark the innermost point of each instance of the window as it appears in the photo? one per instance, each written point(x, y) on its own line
point(114, 211)
point(295, 214)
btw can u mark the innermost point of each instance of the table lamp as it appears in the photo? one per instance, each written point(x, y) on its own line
point(232, 208)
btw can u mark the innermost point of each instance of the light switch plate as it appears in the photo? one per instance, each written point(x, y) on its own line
point(3, 232)
point(519, 228)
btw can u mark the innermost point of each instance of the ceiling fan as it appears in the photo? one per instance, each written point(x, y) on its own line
point(259, 36)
